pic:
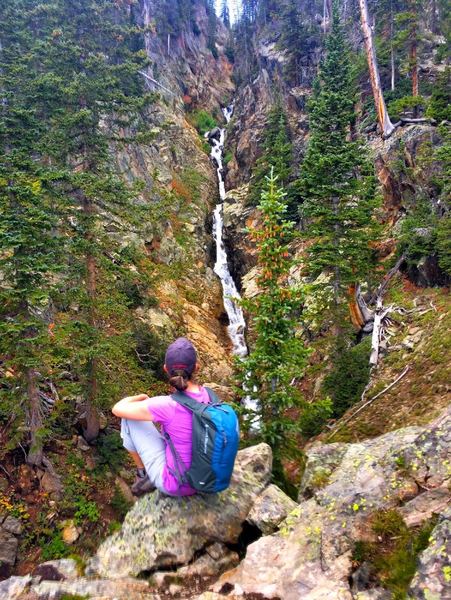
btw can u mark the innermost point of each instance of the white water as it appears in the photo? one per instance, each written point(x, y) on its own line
point(237, 324)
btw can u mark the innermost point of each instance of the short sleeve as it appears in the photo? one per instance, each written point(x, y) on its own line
point(161, 408)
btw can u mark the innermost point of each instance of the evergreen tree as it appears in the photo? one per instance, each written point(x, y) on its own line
point(277, 153)
point(94, 80)
point(335, 185)
point(278, 354)
point(29, 253)
point(225, 13)
point(296, 39)
point(212, 24)
point(66, 95)
point(407, 36)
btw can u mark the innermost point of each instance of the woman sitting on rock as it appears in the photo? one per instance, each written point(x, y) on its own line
point(152, 456)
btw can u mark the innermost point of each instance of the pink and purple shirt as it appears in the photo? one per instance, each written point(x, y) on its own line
point(177, 421)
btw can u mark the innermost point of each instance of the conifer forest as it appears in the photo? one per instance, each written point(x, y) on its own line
point(270, 179)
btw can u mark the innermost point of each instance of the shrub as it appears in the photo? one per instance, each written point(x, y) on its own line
point(202, 121)
point(119, 503)
point(315, 416)
point(110, 452)
point(439, 107)
point(396, 108)
point(54, 548)
point(349, 376)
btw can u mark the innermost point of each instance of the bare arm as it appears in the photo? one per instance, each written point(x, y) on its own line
point(132, 407)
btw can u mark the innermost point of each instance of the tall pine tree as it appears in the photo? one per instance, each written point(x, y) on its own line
point(336, 187)
point(278, 355)
point(276, 153)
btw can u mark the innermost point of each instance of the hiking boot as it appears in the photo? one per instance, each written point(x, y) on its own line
point(142, 485)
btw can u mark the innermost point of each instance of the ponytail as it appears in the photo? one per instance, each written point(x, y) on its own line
point(179, 378)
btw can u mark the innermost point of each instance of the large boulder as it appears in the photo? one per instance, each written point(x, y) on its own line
point(433, 578)
point(310, 556)
point(10, 529)
point(160, 531)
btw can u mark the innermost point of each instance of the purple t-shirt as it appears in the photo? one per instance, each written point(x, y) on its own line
point(178, 422)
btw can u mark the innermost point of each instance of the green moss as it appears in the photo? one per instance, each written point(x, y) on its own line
point(394, 556)
point(320, 478)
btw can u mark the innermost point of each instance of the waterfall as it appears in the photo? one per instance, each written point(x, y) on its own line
point(237, 323)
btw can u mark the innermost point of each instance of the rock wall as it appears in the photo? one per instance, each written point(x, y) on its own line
point(180, 190)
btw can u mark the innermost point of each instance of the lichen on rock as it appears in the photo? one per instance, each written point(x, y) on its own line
point(162, 531)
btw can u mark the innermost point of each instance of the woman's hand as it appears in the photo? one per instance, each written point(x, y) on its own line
point(132, 407)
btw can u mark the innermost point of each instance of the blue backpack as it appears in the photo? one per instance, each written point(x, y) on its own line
point(215, 444)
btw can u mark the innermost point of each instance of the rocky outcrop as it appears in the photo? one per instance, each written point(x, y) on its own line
point(182, 542)
point(433, 578)
point(238, 217)
point(10, 530)
point(174, 539)
point(310, 556)
point(160, 531)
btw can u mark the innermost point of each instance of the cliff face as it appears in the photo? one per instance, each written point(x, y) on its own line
point(404, 173)
point(180, 189)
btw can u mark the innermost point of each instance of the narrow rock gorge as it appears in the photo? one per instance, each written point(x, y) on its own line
point(219, 171)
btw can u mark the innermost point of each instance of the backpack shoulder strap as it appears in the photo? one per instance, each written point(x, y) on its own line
point(193, 405)
point(189, 403)
point(213, 397)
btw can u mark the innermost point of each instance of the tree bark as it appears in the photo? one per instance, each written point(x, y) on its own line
point(414, 62)
point(337, 275)
point(386, 126)
point(91, 427)
point(392, 51)
point(35, 453)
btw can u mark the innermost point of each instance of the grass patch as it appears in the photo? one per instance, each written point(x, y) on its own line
point(393, 557)
point(202, 120)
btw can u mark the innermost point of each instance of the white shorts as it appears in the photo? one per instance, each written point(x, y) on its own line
point(145, 439)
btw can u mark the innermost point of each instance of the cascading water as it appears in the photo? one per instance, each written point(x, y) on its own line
point(237, 323)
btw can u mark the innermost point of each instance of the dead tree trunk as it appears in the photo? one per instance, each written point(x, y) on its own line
point(35, 453)
point(386, 126)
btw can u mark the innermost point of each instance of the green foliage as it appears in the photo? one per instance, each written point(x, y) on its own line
point(423, 234)
point(398, 107)
point(278, 355)
point(202, 120)
point(68, 95)
point(119, 503)
point(298, 39)
point(111, 454)
point(350, 374)
point(393, 559)
point(54, 548)
point(76, 501)
point(227, 157)
point(336, 186)
point(315, 416)
point(86, 510)
point(277, 152)
point(439, 107)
